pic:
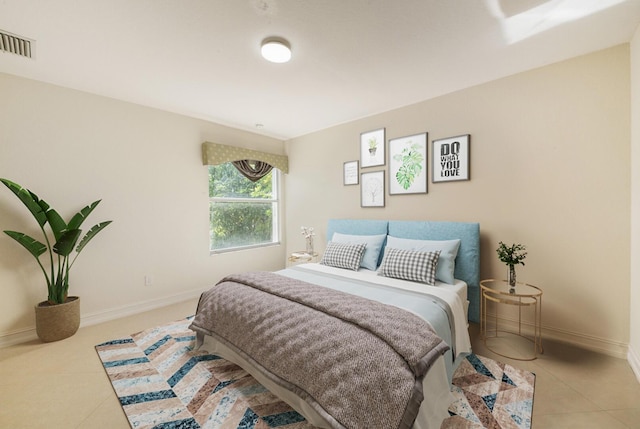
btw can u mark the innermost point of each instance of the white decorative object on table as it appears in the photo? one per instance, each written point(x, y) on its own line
point(308, 234)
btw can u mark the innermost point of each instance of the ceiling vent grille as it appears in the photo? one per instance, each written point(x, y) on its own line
point(13, 44)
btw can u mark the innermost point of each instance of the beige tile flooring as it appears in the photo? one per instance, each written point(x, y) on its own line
point(574, 388)
point(63, 385)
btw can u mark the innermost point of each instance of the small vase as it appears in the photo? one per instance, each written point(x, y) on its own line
point(309, 249)
point(512, 276)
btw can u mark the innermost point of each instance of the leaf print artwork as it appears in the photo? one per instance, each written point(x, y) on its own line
point(408, 165)
point(411, 164)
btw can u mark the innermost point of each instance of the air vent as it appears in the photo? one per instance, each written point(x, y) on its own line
point(13, 44)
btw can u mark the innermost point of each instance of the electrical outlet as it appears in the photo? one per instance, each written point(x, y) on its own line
point(148, 280)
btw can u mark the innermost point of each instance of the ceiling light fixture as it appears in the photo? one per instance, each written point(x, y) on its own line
point(276, 50)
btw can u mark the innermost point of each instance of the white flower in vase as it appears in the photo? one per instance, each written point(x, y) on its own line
point(308, 234)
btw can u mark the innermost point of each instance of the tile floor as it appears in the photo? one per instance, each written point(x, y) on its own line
point(63, 385)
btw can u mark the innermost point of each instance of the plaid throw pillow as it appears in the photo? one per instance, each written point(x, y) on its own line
point(342, 255)
point(410, 265)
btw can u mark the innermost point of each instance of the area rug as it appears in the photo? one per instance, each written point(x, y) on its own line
point(491, 395)
point(162, 382)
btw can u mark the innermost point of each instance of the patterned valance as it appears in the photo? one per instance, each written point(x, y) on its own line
point(215, 154)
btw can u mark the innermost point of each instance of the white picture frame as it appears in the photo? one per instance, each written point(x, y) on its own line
point(450, 159)
point(350, 173)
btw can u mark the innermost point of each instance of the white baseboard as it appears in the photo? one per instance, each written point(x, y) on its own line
point(29, 334)
point(634, 360)
point(18, 337)
point(141, 307)
point(589, 342)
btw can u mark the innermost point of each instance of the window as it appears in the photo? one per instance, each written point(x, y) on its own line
point(242, 213)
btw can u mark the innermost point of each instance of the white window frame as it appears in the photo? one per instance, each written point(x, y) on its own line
point(275, 225)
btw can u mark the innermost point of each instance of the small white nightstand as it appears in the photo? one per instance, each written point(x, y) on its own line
point(301, 257)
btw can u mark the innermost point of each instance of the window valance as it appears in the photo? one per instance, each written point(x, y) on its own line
point(215, 154)
point(252, 170)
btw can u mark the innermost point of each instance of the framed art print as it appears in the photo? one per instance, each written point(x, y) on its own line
point(372, 148)
point(451, 159)
point(372, 189)
point(408, 165)
point(350, 173)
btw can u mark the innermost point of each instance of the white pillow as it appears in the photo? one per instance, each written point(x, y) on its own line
point(372, 252)
point(409, 265)
point(448, 252)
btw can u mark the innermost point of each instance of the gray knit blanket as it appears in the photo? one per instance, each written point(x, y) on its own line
point(359, 363)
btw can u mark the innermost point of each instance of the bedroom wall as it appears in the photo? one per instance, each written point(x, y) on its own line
point(549, 168)
point(634, 343)
point(72, 148)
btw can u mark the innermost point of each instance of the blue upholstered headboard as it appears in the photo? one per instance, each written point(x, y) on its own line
point(467, 261)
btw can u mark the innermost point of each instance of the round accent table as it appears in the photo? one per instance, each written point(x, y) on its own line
point(523, 295)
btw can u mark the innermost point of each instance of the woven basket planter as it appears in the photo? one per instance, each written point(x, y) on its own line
point(59, 321)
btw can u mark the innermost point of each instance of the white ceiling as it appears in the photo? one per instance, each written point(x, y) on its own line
point(351, 58)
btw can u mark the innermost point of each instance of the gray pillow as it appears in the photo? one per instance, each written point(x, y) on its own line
point(409, 265)
point(372, 252)
point(341, 255)
point(448, 252)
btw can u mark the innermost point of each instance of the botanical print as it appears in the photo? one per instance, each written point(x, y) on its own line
point(408, 164)
point(411, 164)
point(372, 148)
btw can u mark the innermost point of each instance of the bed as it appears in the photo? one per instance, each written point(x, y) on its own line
point(351, 348)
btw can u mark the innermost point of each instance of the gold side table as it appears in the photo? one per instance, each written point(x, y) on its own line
point(301, 257)
point(523, 295)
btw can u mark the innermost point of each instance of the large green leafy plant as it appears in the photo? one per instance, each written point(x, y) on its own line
point(60, 254)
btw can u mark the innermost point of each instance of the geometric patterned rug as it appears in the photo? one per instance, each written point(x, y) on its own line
point(163, 383)
point(490, 394)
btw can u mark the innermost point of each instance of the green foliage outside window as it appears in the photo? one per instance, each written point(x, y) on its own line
point(241, 211)
point(226, 181)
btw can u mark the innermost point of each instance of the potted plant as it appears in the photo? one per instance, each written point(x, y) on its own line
point(512, 256)
point(373, 146)
point(59, 316)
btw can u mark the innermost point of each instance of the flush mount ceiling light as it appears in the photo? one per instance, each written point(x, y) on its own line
point(276, 50)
